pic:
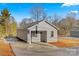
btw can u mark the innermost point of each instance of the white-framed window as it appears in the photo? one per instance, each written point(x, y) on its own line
point(33, 33)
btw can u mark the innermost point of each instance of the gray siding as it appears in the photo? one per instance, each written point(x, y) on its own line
point(74, 33)
point(22, 34)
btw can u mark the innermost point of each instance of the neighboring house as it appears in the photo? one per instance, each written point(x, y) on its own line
point(74, 32)
point(75, 29)
point(46, 32)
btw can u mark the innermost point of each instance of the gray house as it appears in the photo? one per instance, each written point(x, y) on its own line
point(40, 31)
point(74, 32)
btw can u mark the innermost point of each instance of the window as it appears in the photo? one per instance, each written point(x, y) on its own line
point(52, 33)
point(33, 33)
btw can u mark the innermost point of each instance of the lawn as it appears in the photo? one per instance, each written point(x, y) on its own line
point(5, 49)
point(66, 42)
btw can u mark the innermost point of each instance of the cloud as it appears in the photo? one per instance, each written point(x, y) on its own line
point(28, 17)
point(69, 4)
point(74, 11)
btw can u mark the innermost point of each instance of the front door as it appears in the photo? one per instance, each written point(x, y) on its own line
point(43, 36)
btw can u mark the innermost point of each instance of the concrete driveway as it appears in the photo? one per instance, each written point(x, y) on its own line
point(21, 48)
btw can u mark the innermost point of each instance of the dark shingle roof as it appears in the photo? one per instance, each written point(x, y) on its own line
point(31, 24)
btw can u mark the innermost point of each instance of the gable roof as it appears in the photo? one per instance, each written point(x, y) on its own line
point(34, 23)
point(52, 25)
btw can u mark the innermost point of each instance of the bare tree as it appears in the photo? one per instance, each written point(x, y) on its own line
point(67, 23)
point(13, 26)
point(38, 13)
point(25, 21)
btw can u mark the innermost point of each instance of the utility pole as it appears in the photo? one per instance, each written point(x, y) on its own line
point(37, 23)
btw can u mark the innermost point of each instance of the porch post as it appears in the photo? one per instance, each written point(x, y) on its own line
point(55, 35)
point(29, 37)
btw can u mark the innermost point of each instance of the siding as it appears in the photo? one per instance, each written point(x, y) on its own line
point(22, 34)
point(74, 33)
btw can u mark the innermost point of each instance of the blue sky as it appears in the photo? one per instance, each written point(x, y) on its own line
point(22, 10)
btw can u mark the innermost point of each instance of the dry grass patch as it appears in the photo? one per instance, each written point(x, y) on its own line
point(66, 42)
point(5, 49)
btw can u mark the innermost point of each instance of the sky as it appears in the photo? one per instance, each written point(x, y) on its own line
point(22, 10)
